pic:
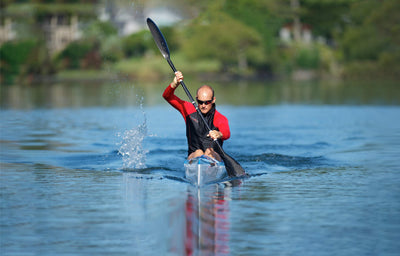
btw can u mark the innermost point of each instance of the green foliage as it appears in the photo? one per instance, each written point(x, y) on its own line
point(222, 37)
point(101, 29)
point(362, 44)
point(325, 17)
point(80, 54)
point(234, 35)
point(307, 58)
point(16, 51)
point(107, 34)
point(372, 39)
point(111, 49)
point(261, 16)
point(265, 17)
point(14, 56)
point(136, 44)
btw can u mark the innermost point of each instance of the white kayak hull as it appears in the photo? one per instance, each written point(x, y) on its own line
point(204, 170)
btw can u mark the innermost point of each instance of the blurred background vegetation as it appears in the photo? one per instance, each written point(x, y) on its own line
point(254, 39)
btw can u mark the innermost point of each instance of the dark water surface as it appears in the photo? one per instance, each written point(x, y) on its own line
point(85, 172)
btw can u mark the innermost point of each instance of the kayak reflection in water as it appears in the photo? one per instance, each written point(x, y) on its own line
point(200, 139)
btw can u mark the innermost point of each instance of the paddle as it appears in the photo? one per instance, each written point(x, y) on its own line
point(233, 168)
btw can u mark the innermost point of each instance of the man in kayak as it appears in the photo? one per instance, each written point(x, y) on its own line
point(199, 138)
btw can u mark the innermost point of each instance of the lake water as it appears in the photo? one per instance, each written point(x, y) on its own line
point(97, 169)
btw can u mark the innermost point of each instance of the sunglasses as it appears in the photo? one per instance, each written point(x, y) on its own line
point(207, 102)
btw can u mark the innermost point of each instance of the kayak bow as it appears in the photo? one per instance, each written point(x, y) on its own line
point(204, 170)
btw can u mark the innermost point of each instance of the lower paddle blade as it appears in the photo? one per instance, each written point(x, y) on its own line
point(233, 168)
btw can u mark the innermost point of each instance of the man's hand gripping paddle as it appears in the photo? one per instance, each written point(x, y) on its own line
point(233, 168)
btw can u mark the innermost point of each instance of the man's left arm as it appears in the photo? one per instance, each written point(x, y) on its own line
point(221, 122)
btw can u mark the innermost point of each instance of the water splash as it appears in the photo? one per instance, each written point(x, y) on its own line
point(131, 149)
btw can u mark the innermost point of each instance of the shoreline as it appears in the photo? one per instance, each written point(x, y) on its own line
point(95, 76)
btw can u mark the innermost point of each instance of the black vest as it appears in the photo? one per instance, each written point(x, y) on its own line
point(196, 131)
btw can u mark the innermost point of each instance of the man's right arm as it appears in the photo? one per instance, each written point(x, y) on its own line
point(175, 101)
point(169, 93)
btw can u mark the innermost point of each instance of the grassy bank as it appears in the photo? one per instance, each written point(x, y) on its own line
point(151, 68)
point(154, 67)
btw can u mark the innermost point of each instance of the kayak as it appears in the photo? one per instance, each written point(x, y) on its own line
point(204, 170)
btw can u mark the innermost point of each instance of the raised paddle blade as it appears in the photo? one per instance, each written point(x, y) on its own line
point(158, 38)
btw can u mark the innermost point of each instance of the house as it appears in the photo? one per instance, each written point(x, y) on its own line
point(287, 33)
point(6, 31)
point(57, 24)
point(60, 30)
point(61, 26)
point(131, 19)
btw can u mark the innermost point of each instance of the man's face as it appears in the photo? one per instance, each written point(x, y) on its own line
point(205, 99)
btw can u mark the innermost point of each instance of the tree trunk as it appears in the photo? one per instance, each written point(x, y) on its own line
point(242, 62)
point(295, 5)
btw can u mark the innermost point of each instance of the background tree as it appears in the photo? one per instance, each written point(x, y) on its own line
point(265, 17)
point(371, 41)
point(217, 35)
point(106, 34)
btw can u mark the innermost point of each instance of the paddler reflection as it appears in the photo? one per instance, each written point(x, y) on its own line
point(207, 221)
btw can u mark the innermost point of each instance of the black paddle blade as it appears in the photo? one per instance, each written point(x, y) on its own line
point(158, 38)
point(233, 168)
